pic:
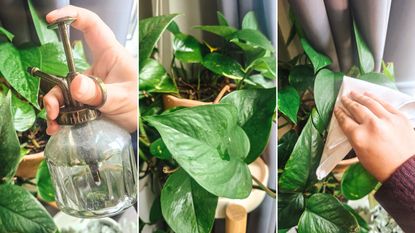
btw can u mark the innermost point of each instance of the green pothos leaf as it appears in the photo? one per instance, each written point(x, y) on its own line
point(324, 213)
point(318, 60)
point(187, 48)
point(254, 37)
point(224, 31)
point(9, 143)
point(207, 142)
point(44, 34)
point(24, 115)
point(153, 78)
point(364, 226)
point(366, 61)
point(357, 182)
point(290, 208)
point(301, 77)
point(223, 65)
point(285, 146)
point(21, 212)
point(289, 103)
point(254, 105)
point(249, 21)
point(186, 206)
point(299, 172)
point(221, 19)
point(326, 86)
point(150, 32)
point(13, 70)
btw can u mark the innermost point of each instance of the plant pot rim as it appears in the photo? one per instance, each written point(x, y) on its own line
point(27, 167)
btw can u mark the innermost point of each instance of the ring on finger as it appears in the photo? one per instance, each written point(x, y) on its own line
point(102, 88)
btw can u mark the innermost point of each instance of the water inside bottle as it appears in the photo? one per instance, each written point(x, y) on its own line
point(96, 189)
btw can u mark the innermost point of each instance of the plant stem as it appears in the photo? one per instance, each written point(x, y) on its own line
point(264, 188)
point(172, 66)
point(221, 94)
point(167, 170)
point(142, 130)
point(142, 155)
point(144, 141)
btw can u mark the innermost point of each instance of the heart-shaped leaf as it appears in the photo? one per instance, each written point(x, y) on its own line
point(326, 87)
point(224, 31)
point(299, 172)
point(324, 213)
point(290, 208)
point(221, 19)
point(266, 65)
point(150, 32)
point(254, 37)
point(250, 21)
point(285, 146)
point(252, 54)
point(21, 212)
point(223, 65)
point(258, 81)
point(187, 48)
point(289, 103)
point(44, 34)
point(199, 139)
point(364, 226)
point(318, 60)
point(23, 114)
point(186, 206)
point(357, 182)
point(14, 71)
point(366, 60)
point(254, 105)
point(153, 78)
point(9, 143)
point(14, 63)
point(301, 77)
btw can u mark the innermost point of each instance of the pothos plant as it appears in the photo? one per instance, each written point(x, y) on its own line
point(307, 93)
point(22, 121)
point(198, 154)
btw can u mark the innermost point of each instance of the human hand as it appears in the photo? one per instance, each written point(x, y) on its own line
point(382, 137)
point(111, 63)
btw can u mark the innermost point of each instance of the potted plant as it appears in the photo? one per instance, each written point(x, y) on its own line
point(307, 93)
point(22, 128)
point(196, 144)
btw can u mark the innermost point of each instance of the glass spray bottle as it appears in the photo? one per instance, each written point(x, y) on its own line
point(90, 159)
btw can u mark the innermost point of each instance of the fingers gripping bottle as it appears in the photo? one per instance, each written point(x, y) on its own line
point(90, 159)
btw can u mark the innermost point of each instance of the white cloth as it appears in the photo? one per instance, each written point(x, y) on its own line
point(337, 146)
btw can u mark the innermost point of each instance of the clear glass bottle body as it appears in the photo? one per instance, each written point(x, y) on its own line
point(93, 169)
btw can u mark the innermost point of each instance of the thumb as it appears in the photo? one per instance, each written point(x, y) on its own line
point(85, 90)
